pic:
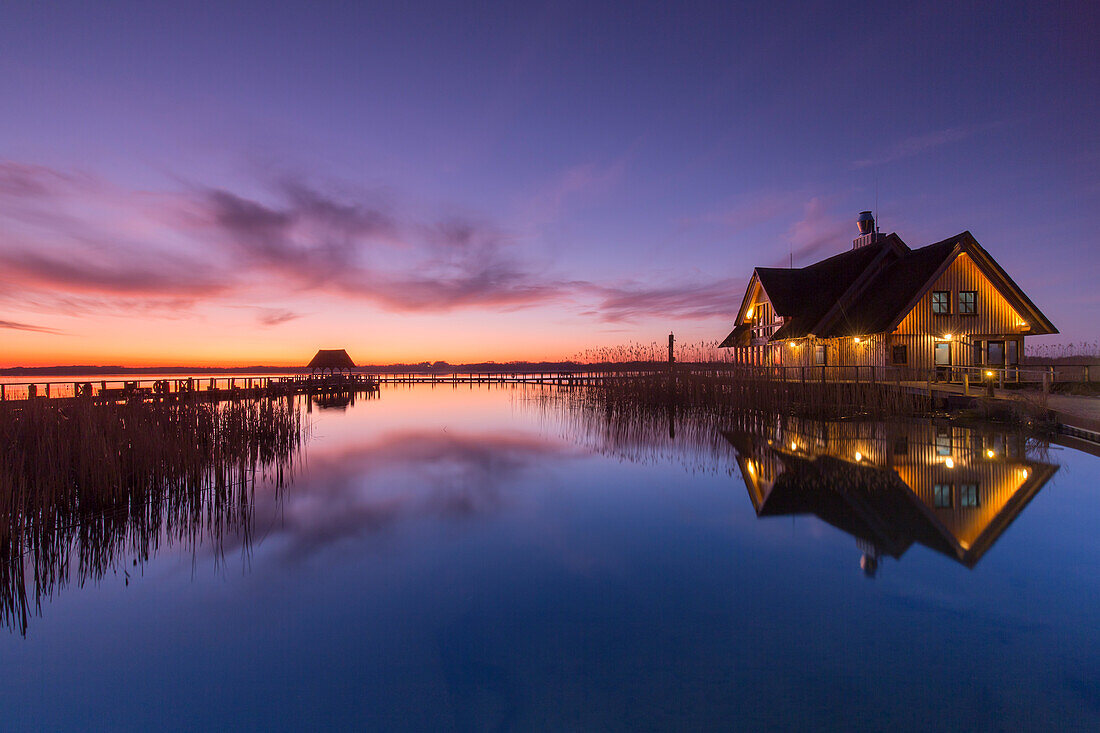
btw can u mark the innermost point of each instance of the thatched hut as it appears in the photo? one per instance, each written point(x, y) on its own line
point(332, 361)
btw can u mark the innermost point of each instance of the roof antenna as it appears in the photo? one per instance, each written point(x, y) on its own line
point(877, 229)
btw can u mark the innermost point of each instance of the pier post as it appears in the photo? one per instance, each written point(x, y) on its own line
point(966, 384)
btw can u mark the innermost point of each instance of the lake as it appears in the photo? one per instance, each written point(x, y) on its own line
point(479, 558)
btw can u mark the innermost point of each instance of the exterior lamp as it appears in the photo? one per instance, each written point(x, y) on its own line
point(791, 344)
point(748, 313)
point(1024, 472)
point(989, 373)
point(947, 337)
point(950, 463)
point(856, 339)
point(859, 456)
point(748, 465)
point(989, 453)
point(794, 445)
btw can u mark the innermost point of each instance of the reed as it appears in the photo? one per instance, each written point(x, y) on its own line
point(84, 485)
point(727, 390)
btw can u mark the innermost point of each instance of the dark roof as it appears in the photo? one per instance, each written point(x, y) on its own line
point(332, 359)
point(869, 289)
point(739, 336)
point(889, 292)
point(806, 294)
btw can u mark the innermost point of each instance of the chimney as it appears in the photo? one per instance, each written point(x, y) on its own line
point(868, 232)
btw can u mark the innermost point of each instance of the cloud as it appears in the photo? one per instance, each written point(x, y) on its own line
point(918, 144)
point(688, 300)
point(27, 327)
point(76, 244)
point(276, 316)
point(817, 232)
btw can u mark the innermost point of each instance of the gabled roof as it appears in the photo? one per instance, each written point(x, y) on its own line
point(870, 289)
point(331, 359)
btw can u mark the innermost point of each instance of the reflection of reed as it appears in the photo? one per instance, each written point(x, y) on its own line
point(83, 485)
point(638, 432)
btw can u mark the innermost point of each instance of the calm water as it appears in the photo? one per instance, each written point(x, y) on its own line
point(453, 559)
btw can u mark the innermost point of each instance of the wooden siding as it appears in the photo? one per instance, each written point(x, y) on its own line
point(995, 319)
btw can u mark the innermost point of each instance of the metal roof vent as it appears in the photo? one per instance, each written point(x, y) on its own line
point(868, 232)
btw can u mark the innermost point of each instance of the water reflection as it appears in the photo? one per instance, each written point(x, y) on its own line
point(86, 490)
point(952, 489)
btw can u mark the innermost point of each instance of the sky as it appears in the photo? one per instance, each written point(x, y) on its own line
point(244, 183)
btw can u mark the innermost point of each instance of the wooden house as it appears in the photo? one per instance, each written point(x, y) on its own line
point(332, 361)
point(945, 305)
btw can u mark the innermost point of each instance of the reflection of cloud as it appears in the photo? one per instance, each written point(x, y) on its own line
point(403, 477)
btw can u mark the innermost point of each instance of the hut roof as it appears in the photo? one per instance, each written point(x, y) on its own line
point(332, 359)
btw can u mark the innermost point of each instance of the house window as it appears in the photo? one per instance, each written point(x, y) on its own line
point(820, 357)
point(968, 495)
point(941, 302)
point(941, 496)
point(968, 302)
point(900, 354)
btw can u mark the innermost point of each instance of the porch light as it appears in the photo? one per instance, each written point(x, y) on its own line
point(989, 373)
point(989, 453)
point(791, 344)
point(748, 313)
point(950, 463)
point(947, 337)
point(748, 465)
point(856, 339)
point(794, 445)
point(859, 456)
point(1024, 472)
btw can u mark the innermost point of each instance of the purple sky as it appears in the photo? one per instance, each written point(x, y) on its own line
point(420, 181)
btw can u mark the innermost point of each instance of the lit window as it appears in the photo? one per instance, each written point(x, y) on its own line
point(968, 495)
point(968, 302)
point(941, 302)
point(941, 496)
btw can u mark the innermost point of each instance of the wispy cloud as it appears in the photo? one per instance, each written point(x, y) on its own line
point(917, 144)
point(76, 244)
point(27, 327)
point(684, 301)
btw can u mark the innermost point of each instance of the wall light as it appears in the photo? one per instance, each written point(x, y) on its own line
point(989, 453)
point(856, 339)
point(950, 463)
point(1024, 472)
point(947, 337)
point(859, 456)
point(989, 374)
point(791, 344)
point(794, 445)
point(748, 313)
point(748, 465)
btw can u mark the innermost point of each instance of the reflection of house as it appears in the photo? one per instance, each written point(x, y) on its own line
point(952, 489)
point(882, 303)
